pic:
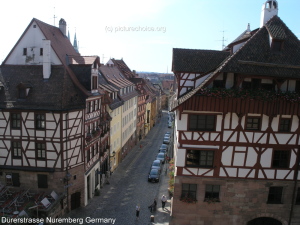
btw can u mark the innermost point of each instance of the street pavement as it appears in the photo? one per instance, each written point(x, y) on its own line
point(129, 186)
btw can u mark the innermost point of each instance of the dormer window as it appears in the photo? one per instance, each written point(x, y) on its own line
point(24, 89)
point(94, 82)
point(276, 45)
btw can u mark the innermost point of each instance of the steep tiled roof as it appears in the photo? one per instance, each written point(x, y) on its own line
point(123, 68)
point(113, 75)
point(197, 61)
point(256, 57)
point(57, 93)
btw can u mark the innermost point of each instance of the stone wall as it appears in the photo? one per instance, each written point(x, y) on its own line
point(241, 200)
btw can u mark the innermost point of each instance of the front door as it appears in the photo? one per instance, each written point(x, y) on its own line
point(75, 200)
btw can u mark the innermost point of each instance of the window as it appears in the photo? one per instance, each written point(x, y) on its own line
point(189, 192)
point(202, 122)
point(15, 120)
point(22, 93)
point(40, 121)
point(94, 82)
point(16, 180)
point(275, 195)
point(42, 181)
point(277, 45)
point(40, 150)
point(16, 149)
point(41, 51)
point(281, 159)
point(285, 125)
point(199, 158)
point(24, 51)
point(253, 123)
point(298, 197)
point(212, 193)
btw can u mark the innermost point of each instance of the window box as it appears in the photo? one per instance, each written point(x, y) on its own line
point(188, 199)
point(211, 200)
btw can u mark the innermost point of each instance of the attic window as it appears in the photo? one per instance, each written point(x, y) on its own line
point(277, 45)
point(34, 26)
point(23, 90)
point(24, 51)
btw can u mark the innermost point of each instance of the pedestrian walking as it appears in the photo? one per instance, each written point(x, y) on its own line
point(163, 201)
point(152, 207)
point(137, 211)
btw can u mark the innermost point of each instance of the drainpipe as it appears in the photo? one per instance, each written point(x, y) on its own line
point(295, 187)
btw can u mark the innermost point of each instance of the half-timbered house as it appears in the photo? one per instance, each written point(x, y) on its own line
point(49, 101)
point(237, 129)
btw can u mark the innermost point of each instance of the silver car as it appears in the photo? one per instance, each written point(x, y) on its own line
point(161, 156)
point(157, 164)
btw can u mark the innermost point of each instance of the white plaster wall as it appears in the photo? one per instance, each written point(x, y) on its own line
point(227, 156)
point(251, 157)
point(295, 122)
point(33, 40)
point(200, 80)
point(237, 47)
point(275, 122)
point(266, 158)
point(270, 174)
point(230, 80)
point(182, 124)
point(239, 159)
point(180, 159)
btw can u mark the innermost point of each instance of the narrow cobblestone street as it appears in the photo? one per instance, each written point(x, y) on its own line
point(129, 186)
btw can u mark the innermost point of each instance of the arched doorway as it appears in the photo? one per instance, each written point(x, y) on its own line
point(264, 221)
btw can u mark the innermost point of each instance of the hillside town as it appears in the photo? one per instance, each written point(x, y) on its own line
point(215, 142)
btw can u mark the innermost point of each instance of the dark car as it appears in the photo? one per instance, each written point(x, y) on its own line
point(153, 175)
point(161, 156)
point(157, 164)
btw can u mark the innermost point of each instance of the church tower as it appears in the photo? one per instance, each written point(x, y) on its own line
point(75, 44)
point(269, 9)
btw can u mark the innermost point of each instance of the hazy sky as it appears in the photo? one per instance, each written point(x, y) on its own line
point(143, 33)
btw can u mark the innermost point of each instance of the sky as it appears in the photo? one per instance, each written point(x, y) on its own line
point(142, 33)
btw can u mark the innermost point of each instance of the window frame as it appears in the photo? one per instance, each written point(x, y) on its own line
point(278, 165)
point(40, 151)
point(15, 122)
point(198, 152)
point(273, 192)
point(212, 195)
point(38, 121)
point(190, 192)
point(18, 148)
point(198, 118)
point(285, 125)
point(252, 123)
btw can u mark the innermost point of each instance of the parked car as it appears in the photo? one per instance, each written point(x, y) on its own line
point(153, 175)
point(161, 156)
point(166, 140)
point(169, 124)
point(163, 151)
point(168, 133)
point(163, 147)
point(156, 164)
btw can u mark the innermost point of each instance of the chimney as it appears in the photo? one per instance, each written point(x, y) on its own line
point(63, 26)
point(269, 9)
point(46, 59)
